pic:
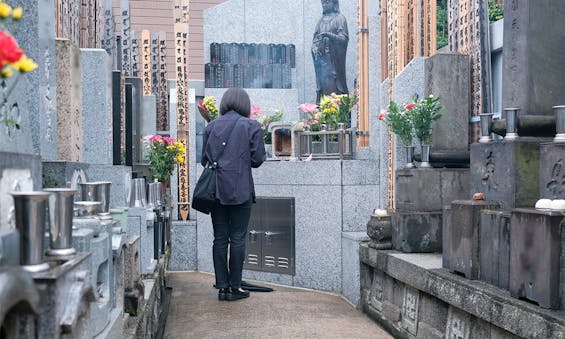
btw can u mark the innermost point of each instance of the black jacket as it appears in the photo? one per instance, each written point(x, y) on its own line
point(245, 149)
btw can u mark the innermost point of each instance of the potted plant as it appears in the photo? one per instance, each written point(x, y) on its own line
point(424, 113)
point(164, 154)
point(399, 120)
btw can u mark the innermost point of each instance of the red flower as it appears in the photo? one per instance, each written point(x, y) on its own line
point(409, 106)
point(381, 116)
point(9, 50)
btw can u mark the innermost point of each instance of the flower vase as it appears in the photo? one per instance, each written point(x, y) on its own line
point(425, 157)
point(165, 190)
point(409, 156)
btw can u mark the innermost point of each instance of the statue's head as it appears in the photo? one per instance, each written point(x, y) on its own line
point(330, 6)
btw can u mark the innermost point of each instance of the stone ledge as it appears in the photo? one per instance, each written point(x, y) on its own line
point(484, 301)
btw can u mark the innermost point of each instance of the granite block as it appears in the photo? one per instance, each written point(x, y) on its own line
point(358, 202)
point(62, 174)
point(36, 95)
point(141, 220)
point(465, 232)
point(317, 234)
point(535, 254)
point(183, 247)
point(350, 280)
point(427, 190)
point(552, 171)
point(417, 231)
point(69, 102)
point(96, 106)
point(410, 81)
point(494, 254)
point(319, 172)
point(16, 170)
point(507, 171)
point(359, 172)
point(447, 77)
point(530, 59)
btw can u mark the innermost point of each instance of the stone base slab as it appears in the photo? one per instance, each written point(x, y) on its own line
point(444, 304)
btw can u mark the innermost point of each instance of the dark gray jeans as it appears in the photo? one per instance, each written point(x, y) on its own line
point(230, 228)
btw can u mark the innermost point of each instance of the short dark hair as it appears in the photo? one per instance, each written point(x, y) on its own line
point(236, 99)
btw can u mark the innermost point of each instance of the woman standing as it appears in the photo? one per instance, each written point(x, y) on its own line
point(242, 139)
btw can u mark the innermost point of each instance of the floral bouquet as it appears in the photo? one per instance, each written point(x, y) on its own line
point(336, 108)
point(164, 154)
point(425, 112)
point(312, 116)
point(399, 120)
point(207, 108)
point(12, 58)
point(265, 120)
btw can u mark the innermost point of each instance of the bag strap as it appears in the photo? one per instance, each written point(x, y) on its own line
point(224, 143)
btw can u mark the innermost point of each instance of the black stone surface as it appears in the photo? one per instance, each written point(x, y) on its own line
point(494, 256)
point(552, 171)
point(507, 171)
point(535, 254)
point(464, 240)
point(416, 232)
point(426, 190)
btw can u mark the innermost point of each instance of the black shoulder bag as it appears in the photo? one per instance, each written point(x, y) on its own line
point(204, 197)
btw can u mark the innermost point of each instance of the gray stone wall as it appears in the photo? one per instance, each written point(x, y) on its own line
point(331, 197)
point(444, 304)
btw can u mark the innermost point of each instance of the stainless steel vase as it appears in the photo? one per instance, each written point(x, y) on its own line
point(31, 208)
point(61, 201)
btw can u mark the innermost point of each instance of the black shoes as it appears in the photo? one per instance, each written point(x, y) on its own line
point(222, 293)
point(231, 294)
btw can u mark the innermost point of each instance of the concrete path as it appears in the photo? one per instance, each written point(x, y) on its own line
point(196, 312)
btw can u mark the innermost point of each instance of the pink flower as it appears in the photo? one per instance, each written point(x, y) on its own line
point(169, 140)
point(336, 101)
point(155, 138)
point(409, 106)
point(201, 104)
point(255, 112)
point(382, 116)
point(308, 107)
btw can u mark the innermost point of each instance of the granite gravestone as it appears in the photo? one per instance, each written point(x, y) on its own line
point(69, 101)
point(96, 106)
point(35, 94)
point(534, 66)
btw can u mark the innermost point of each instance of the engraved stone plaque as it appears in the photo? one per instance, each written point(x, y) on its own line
point(410, 310)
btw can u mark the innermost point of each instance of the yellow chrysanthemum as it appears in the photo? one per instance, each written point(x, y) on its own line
point(6, 72)
point(5, 10)
point(17, 13)
point(180, 159)
point(25, 64)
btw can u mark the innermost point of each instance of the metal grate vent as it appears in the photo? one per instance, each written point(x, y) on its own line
point(270, 239)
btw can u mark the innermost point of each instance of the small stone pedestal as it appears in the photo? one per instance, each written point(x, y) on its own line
point(379, 230)
point(535, 256)
point(463, 237)
point(507, 171)
point(140, 223)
